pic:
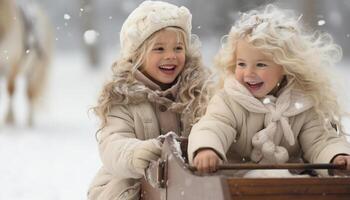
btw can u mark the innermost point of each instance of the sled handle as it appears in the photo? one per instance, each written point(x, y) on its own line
point(277, 166)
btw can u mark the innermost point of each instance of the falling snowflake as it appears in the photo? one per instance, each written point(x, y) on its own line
point(199, 27)
point(90, 36)
point(110, 17)
point(348, 35)
point(266, 101)
point(321, 22)
point(27, 51)
point(81, 12)
point(66, 17)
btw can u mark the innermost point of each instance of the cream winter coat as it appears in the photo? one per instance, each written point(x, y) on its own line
point(242, 128)
point(126, 125)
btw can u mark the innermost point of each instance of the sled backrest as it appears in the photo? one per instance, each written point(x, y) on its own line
point(289, 188)
point(171, 179)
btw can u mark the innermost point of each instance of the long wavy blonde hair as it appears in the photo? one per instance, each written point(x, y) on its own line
point(194, 86)
point(305, 55)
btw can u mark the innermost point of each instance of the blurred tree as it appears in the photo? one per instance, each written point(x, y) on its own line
point(309, 13)
point(90, 35)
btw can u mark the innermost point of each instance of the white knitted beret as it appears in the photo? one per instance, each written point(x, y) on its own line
point(149, 17)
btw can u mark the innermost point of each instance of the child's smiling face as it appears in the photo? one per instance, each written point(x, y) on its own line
point(255, 70)
point(166, 58)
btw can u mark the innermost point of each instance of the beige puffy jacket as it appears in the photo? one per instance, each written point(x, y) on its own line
point(126, 126)
point(228, 128)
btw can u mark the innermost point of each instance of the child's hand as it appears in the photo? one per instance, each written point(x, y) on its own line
point(144, 152)
point(206, 160)
point(342, 160)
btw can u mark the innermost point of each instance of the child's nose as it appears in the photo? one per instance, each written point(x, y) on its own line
point(170, 55)
point(250, 70)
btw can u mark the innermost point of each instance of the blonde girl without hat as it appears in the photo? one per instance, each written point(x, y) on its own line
point(276, 104)
point(159, 85)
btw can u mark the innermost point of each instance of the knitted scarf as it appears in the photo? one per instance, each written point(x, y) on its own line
point(289, 102)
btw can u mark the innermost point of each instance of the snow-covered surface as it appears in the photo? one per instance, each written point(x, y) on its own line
point(57, 159)
point(272, 173)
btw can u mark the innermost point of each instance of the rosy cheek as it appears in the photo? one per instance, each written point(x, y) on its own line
point(238, 76)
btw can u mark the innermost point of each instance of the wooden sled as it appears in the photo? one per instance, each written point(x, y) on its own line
point(171, 178)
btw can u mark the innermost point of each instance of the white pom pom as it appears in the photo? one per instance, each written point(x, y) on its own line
point(281, 154)
point(259, 139)
point(268, 150)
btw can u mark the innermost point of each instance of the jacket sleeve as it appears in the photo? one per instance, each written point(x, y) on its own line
point(117, 141)
point(216, 129)
point(318, 145)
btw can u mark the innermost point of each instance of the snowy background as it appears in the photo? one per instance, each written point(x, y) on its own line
point(58, 157)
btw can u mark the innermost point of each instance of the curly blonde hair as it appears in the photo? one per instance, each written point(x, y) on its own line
point(194, 86)
point(305, 55)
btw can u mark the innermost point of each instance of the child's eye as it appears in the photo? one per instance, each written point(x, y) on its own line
point(241, 64)
point(158, 49)
point(261, 65)
point(179, 48)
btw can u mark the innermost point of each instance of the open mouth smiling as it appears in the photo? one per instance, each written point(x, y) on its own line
point(254, 86)
point(167, 68)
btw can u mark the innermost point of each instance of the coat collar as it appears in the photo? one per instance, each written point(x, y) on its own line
point(140, 77)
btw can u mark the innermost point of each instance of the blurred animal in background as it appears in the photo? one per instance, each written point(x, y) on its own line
point(26, 40)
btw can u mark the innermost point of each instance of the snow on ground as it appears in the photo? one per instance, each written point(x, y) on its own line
point(57, 159)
